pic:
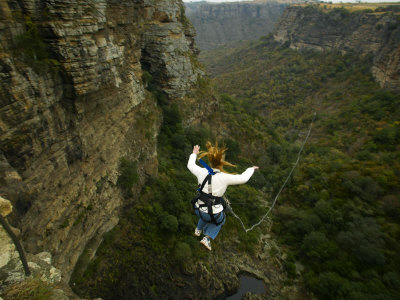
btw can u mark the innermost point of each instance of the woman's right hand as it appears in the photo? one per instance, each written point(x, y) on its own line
point(196, 149)
point(255, 167)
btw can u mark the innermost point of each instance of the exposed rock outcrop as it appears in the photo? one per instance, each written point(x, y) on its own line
point(168, 49)
point(8, 251)
point(11, 268)
point(362, 32)
point(5, 207)
point(72, 104)
point(219, 275)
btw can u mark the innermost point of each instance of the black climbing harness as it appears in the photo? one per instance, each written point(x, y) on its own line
point(208, 199)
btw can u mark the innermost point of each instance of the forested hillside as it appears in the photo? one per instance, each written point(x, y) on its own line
point(339, 218)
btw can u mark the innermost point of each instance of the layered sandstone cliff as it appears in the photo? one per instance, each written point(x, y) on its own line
point(375, 33)
point(73, 103)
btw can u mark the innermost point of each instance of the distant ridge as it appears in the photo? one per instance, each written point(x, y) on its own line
point(365, 29)
point(223, 23)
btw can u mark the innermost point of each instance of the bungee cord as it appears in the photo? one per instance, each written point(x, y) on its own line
point(282, 187)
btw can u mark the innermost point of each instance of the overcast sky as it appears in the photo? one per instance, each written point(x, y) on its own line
point(334, 1)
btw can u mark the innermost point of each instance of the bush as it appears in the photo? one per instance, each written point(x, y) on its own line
point(379, 104)
point(197, 136)
point(245, 199)
point(363, 239)
point(186, 221)
point(325, 211)
point(387, 137)
point(329, 285)
point(317, 247)
point(364, 187)
point(258, 181)
point(29, 289)
point(225, 98)
point(248, 241)
point(128, 175)
point(169, 223)
point(161, 97)
point(172, 116)
point(290, 268)
point(233, 149)
point(275, 153)
point(369, 254)
point(365, 155)
point(31, 47)
point(182, 252)
point(391, 206)
point(392, 281)
point(289, 265)
point(147, 79)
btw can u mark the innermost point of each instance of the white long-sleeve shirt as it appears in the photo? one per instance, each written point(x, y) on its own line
point(219, 182)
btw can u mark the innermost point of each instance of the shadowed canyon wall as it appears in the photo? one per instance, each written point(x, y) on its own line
point(73, 103)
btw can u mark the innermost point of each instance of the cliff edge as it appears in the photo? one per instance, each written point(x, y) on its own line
point(366, 32)
point(73, 105)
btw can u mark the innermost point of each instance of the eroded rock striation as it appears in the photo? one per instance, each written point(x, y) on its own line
point(375, 33)
point(73, 103)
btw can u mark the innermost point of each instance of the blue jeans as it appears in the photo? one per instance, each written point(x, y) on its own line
point(209, 229)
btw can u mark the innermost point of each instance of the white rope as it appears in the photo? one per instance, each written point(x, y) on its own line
point(283, 185)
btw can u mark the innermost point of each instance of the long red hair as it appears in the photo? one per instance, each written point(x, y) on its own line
point(216, 156)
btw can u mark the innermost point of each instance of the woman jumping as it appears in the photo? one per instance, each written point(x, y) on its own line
point(213, 182)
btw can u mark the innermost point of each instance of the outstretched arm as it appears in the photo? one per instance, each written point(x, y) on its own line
point(241, 178)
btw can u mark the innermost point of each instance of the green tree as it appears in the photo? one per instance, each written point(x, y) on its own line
point(169, 223)
point(182, 252)
point(317, 248)
point(128, 175)
point(329, 285)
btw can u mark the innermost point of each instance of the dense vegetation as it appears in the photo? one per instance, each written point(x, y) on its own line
point(339, 216)
point(156, 233)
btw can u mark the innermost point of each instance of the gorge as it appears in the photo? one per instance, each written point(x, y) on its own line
point(101, 102)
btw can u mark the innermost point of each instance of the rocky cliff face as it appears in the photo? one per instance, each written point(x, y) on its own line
point(365, 33)
point(73, 103)
point(11, 269)
point(223, 23)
